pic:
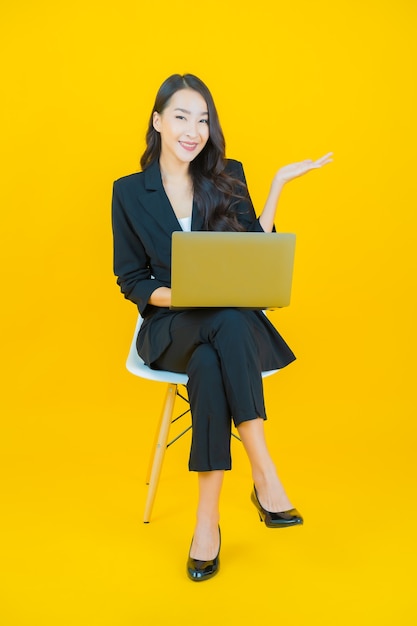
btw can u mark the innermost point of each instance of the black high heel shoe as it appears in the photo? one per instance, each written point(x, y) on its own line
point(203, 570)
point(276, 520)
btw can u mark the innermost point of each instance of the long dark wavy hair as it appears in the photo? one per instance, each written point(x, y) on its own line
point(215, 191)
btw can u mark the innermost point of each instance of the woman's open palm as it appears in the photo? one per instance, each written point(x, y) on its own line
point(294, 170)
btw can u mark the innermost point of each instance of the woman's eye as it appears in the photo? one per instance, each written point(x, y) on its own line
point(180, 117)
point(204, 121)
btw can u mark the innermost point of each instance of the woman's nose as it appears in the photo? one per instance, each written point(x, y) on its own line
point(192, 129)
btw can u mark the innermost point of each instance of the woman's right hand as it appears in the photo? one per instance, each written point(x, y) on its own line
point(161, 297)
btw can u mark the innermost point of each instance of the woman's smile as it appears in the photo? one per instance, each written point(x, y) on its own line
point(188, 145)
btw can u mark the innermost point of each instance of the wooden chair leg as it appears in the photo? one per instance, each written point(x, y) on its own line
point(157, 436)
point(159, 449)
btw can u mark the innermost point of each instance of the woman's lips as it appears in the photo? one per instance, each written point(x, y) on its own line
point(188, 146)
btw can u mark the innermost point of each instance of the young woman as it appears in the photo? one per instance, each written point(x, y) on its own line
point(187, 183)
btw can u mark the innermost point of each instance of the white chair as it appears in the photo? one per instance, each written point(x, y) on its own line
point(136, 366)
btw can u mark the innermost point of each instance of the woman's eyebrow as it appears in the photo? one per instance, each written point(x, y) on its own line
point(189, 112)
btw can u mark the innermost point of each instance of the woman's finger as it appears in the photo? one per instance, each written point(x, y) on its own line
point(327, 158)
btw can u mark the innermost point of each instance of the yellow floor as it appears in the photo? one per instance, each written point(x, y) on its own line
point(77, 552)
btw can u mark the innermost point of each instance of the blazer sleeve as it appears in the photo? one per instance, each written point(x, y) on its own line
point(244, 209)
point(131, 263)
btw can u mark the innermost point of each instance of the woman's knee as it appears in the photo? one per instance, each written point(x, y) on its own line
point(232, 322)
point(232, 316)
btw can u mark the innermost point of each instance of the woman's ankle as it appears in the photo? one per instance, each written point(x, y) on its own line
point(264, 477)
point(207, 520)
point(271, 493)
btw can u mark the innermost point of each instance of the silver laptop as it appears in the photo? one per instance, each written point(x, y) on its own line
point(229, 269)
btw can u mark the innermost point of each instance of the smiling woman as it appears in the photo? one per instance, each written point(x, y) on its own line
point(186, 170)
point(223, 350)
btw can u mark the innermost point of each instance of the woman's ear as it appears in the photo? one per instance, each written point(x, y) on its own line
point(156, 121)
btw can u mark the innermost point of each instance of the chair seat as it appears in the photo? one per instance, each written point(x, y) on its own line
point(136, 366)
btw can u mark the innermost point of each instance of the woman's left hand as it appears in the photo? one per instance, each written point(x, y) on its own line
point(294, 170)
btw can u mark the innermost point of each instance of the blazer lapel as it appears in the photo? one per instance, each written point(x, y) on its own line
point(157, 203)
point(159, 206)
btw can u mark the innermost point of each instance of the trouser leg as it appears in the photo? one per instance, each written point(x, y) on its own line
point(234, 338)
point(210, 446)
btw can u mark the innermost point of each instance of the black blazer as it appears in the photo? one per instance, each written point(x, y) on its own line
point(143, 223)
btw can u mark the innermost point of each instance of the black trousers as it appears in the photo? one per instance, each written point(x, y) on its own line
point(221, 351)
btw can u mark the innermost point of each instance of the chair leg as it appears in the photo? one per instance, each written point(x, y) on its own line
point(159, 449)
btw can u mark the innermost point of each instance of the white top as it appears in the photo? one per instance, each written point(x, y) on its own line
point(185, 223)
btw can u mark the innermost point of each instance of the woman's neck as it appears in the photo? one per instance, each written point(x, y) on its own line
point(173, 170)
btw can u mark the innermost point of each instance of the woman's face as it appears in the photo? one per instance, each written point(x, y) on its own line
point(183, 126)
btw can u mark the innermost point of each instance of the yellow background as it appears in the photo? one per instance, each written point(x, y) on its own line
point(291, 81)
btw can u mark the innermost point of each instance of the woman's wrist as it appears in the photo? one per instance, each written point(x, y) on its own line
point(277, 183)
point(161, 297)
